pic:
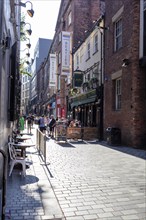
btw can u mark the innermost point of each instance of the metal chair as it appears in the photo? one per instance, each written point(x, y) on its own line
point(14, 159)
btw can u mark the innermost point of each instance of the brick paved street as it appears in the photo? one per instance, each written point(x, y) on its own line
point(92, 181)
point(82, 180)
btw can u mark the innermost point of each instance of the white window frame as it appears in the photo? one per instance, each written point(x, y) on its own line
point(118, 34)
point(118, 90)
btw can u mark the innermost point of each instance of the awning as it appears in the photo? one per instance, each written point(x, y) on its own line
point(84, 101)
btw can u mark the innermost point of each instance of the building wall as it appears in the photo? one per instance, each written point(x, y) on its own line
point(83, 12)
point(131, 119)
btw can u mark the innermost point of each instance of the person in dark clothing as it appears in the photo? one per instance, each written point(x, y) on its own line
point(29, 123)
point(41, 123)
point(52, 124)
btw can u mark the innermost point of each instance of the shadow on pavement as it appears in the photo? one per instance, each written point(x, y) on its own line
point(19, 198)
point(140, 153)
point(66, 145)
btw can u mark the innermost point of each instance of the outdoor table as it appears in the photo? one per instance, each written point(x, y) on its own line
point(22, 138)
point(23, 146)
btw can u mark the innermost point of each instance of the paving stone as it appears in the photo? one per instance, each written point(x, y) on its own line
point(86, 181)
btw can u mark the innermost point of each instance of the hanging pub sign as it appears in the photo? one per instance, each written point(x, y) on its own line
point(66, 45)
point(77, 78)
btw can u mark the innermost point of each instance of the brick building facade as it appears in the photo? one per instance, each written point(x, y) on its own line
point(125, 79)
point(75, 17)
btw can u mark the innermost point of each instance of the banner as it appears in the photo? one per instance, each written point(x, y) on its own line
point(66, 44)
point(52, 80)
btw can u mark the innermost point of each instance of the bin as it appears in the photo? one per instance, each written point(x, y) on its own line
point(113, 136)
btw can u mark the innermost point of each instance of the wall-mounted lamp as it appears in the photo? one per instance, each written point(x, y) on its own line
point(27, 54)
point(125, 62)
point(28, 45)
point(29, 31)
point(30, 11)
point(27, 62)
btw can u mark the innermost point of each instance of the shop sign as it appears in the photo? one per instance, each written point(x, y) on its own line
point(78, 79)
point(66, 49)
point(52, 80)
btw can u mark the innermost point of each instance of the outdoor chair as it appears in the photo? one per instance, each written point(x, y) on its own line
point(14, 159)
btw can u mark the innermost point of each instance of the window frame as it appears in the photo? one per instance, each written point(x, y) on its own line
point(118, 36)
point(88, 50)
point(95, 43)
point(118, 93)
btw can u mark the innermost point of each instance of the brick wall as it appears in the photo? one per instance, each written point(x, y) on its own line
point(131, 119)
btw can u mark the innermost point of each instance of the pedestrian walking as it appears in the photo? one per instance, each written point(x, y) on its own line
point(41, 123)
point(52, 125)
point(21, 123)
point(29, 124)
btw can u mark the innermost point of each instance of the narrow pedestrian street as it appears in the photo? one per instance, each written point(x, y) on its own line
point(80, 181)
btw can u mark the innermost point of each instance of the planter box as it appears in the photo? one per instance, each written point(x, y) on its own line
point(74, 133)
point(86, 133)
point(90, 133)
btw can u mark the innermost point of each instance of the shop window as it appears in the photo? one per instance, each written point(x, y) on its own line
point(118, 34)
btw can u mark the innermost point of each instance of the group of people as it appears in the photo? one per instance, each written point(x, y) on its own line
point(47, 124)
point(26, 122)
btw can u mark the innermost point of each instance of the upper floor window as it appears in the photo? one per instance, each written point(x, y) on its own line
point(59, 37)
point(118, 94)
point(144, 4)
point(88, 50)
point(69, 18)
point(59, 58)
point(77, 61)
point(95, 43)
point(118, 34)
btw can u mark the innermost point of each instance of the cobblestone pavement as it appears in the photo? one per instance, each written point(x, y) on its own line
point(31, 198)
point(94, 181)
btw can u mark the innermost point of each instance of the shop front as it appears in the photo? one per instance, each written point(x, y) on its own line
point(86, 109)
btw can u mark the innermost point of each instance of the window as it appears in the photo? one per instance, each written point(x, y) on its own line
point(118, 94)
point(77, 61)
point(59, 58)
point(69, 18)
point(88, 51)
point(118, 34)
point(95, 43)
point(59, 37)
